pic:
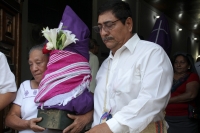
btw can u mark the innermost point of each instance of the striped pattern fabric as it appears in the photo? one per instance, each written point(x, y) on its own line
point(156, 127)
point(65, 71)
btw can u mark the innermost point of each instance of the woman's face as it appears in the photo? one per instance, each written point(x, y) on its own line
point(181, 65)
point(38, 64)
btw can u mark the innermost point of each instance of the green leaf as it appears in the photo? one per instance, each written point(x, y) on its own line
point(60, 40)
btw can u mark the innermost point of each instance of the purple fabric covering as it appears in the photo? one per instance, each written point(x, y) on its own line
point(80, 105)
point(73, 23)
point(84, 102)
point(161, 34)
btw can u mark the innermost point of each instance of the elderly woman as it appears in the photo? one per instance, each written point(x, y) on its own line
point(183, 93)
point(23, 113)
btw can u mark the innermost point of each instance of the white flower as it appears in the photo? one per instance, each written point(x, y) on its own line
point(49, 46)
point(50, 35)
point(58, 39)
point(70, 38)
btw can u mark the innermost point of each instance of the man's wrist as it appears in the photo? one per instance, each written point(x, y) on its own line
point(89, 116)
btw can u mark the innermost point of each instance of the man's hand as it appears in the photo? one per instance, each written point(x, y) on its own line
point(80, 121)
point(33, 126)
point(102, 128)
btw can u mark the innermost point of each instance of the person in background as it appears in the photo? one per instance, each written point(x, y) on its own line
point(134, 82)
point(7, 83)
point(183, 93)
point(198, 59)
point(94, 63)
point(197, 66)
point(95, 46)
point(23, 113)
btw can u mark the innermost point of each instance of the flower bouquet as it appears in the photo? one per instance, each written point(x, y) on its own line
point(64, 87)
point(57, 38)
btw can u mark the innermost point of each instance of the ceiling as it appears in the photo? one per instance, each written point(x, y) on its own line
point(49, 12)
point(184, 12)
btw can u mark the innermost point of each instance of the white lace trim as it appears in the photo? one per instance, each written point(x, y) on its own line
point(63, 99)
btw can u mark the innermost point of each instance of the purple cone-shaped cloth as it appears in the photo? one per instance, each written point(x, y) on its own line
point(161, 34)
point(73, 23)
point(60, 76)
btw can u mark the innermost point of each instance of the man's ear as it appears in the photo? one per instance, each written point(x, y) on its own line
point(129, 24)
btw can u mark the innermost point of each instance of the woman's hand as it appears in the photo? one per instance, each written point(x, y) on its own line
point(13, 120)
point(32, 125)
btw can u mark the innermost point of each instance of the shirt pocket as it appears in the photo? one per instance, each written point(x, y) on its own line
point(127, 80)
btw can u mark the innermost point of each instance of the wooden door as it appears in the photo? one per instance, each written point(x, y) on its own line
point(10, 39)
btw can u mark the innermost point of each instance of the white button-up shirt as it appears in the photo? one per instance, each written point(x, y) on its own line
point(138, 86)
point(7, 78)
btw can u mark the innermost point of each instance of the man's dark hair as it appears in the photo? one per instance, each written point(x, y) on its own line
point(120, 9)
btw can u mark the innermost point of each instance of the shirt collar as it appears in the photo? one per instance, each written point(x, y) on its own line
point(132, 42)
point(130, 45)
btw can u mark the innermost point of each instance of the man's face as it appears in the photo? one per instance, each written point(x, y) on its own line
point(113, 32)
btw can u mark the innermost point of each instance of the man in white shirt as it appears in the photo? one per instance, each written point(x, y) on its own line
point(94, 63)
point(7, 83)
point(134, 82)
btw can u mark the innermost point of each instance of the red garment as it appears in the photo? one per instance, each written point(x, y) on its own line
point(181, 109)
